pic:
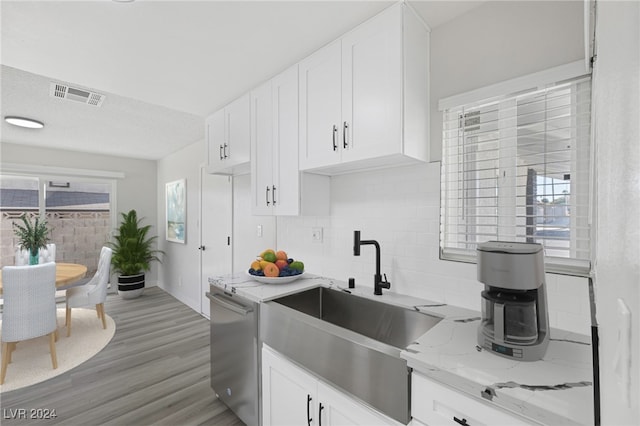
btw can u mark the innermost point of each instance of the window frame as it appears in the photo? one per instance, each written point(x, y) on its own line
point(504, 90)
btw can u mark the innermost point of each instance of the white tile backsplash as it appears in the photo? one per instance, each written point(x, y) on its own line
point(400, 208)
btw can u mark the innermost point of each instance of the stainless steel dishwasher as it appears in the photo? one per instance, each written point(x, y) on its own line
point(235, 354)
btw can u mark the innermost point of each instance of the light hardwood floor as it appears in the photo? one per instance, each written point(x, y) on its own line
point(155, 371)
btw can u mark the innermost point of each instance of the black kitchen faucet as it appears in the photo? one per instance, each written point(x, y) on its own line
point(378, 283)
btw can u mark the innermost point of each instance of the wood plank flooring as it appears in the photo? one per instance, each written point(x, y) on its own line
point(155, 371)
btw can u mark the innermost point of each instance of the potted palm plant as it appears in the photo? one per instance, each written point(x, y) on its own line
point(32, 237)
point(133, 253)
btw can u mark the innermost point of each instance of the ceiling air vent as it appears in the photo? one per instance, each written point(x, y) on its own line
point(63, 91)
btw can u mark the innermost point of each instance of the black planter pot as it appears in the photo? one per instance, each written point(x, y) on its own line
point(131, 286)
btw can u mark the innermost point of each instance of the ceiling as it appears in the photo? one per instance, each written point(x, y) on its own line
point(163, 65)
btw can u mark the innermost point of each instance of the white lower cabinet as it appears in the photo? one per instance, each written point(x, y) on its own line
point(435, 404)
point(293, 396)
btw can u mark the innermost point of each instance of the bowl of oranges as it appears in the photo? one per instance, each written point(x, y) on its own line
point(275, 267)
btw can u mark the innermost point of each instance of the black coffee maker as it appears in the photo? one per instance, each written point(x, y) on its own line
point(515, 321)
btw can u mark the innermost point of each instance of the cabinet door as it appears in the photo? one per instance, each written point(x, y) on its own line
point(436, 404)
point(262, 151)
point(288, 393)
point(320, 103)
point(286, 180)
point(238, 131)
point(372, 88)
point(216, 138)
point(340, 410)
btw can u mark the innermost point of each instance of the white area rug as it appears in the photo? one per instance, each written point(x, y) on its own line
point(31, 361)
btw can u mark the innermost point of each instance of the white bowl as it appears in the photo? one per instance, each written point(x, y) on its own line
point(275, 280)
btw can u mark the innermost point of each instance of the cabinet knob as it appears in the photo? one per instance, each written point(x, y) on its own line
point(203, 248)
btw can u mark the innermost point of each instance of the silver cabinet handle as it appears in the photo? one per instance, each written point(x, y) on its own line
point(266, 195)
point(229, 304)
point(221, 154)
point(273, 194)
point(225, 151)
point(345, 127)
point(335, 132)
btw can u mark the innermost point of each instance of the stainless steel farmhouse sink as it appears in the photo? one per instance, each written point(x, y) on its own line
point(351, 341)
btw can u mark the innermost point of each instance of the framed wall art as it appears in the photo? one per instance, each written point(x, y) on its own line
point(176, 194)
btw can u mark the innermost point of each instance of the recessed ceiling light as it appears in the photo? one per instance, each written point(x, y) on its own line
point(24, 122)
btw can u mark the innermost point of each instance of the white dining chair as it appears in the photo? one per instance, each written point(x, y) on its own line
point(29, 308)
point(44, 256)
point(49, 254)
point(93, 293)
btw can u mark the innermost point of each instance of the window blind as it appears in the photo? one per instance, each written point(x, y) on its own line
point(517, 168)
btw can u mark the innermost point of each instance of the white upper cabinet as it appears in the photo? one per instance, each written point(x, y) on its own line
point(228, 138)
point(262, 154)
point(320, 107)
point(364, 98)
point(277, 186)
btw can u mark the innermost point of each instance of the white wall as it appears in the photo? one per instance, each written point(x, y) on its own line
point(180, 272)
point(400, 207)
point(617, 272)
point(498, 41)
point(136, 191)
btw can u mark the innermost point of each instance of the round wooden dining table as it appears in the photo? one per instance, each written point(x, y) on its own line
point(66, 273)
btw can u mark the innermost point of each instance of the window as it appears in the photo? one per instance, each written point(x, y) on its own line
point(77, 210)
point(517, 168)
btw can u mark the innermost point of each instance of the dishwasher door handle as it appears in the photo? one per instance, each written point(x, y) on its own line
point(229, 304)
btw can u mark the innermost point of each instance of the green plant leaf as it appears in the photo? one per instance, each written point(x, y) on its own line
point(133, 249)
point(31, 237)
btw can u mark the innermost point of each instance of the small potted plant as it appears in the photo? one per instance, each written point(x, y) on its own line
point(32, 237)
point(133, 252)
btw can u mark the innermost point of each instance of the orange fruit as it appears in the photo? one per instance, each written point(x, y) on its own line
point(271, 270)
point(281, 263)
point(281, 255)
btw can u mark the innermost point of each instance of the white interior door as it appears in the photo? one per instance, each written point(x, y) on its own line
point(216, 210)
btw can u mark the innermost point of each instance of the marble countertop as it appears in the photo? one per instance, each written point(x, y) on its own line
point(557, 390)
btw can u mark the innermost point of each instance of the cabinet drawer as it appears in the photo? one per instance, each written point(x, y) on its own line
point(435, 404)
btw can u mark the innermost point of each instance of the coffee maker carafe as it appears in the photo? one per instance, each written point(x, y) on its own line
point(515, 321)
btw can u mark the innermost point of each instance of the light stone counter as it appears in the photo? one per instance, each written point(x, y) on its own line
point(558, 390)
point(243, 285)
